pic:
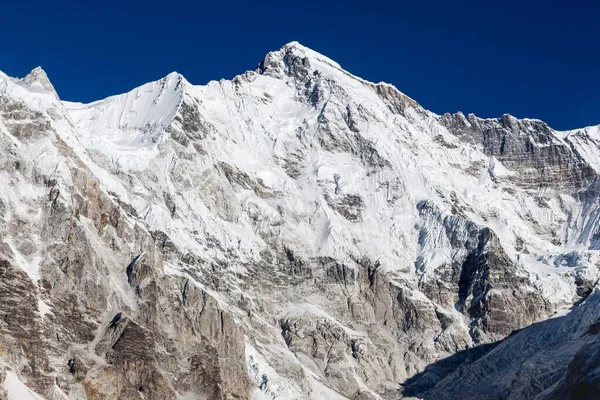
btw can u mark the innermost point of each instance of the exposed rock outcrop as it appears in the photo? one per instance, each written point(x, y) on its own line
point(294, 233)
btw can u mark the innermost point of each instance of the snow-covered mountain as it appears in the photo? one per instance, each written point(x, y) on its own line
point(294, 233)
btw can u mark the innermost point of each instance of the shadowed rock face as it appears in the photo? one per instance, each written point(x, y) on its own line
point(295, 233)
point(553, 359)
point(582, 380)
point(22, 333)
point(480, 281)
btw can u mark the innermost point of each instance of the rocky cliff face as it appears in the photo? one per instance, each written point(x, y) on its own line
point(553, 359)
point(295, 233)
point(527, 146)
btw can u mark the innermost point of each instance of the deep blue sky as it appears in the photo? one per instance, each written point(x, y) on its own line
point(537, 59)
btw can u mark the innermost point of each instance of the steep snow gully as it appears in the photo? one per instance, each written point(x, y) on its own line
point(293, 233)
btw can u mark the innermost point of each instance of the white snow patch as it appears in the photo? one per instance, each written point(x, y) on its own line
point(17, 390)
point(31, 266)
point(43, 308)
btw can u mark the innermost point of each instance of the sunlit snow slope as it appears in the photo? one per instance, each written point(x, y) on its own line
point(340, 237)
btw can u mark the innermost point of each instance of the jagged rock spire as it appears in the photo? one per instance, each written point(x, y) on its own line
point(39, 76)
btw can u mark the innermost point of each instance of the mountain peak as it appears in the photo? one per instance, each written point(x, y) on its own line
point(135, 120)
point(296, 45)
point(38, 76)
point(174, 76)
point(294, 58)
point(270, 203)
point(313, 55)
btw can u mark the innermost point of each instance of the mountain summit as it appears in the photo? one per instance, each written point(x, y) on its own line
point(38, 77)
point(294, 233)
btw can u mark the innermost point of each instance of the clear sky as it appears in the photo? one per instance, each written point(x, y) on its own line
point(537, 59)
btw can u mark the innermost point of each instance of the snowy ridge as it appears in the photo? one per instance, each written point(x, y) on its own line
point(129, 127)
point(352, 236)
point(586, 141)
point(17, 390)
point(143, 110)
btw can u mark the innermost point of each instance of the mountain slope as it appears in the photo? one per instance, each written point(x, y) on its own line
point(296, 232)
point(528, 364)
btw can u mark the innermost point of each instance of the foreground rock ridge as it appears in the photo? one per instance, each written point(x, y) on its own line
point(294, 233)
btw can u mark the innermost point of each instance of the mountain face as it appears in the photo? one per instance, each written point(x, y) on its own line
point(294, 233)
